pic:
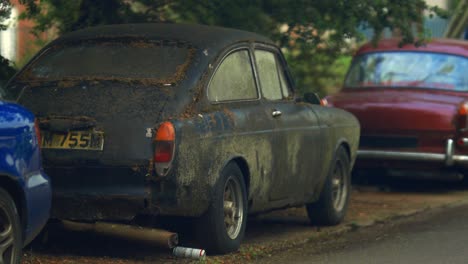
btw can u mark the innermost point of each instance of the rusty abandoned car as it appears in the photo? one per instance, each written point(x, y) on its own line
point(412, 103)
point(183, 120)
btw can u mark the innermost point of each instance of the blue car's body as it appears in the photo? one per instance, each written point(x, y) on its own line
point(21, 173)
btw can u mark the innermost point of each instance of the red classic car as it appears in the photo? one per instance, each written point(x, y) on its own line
point(412, 103)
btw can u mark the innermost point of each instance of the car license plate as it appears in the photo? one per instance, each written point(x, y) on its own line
point(81, 140)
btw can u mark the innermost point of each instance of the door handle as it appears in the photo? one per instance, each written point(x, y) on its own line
point(276, 113)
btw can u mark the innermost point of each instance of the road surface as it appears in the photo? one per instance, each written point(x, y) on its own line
point(432, 237)
point(374, 209)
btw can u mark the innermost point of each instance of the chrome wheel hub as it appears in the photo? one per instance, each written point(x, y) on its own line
point(339, 183)
point(233, 207)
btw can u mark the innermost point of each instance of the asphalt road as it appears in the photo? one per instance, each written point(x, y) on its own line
point(433, 237)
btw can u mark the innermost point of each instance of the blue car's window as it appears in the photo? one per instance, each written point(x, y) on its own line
point(116, 60)
point(409, 69)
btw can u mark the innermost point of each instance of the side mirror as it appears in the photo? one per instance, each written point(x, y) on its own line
point(312, 98)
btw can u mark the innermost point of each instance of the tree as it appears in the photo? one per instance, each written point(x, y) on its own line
point(313, 33)
point(6, 68)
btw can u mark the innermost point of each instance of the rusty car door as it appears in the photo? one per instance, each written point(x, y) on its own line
point(298, 137)
point(233, 89)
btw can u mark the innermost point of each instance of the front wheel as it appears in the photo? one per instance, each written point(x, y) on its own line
point(332, 205)
point(10, 232)
point(221, 229)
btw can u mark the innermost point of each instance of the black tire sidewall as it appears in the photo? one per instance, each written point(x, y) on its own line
point(8, 206)
point(322, 212)
point(211, 230)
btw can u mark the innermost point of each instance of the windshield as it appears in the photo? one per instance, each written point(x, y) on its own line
point(414, 69)
point(115, 60)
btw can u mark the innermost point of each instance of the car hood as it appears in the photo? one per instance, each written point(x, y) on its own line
point(400, 110)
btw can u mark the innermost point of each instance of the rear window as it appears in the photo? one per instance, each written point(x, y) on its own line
point(114, 60)
point(409, 69)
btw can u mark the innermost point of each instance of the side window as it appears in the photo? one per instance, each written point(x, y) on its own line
point(284, 83)
point(268, 74)
point(234, 79)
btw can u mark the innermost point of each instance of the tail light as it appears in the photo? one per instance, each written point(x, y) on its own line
point(462, 116)
point(462, 124)
point(38, 133)
point(164, 148)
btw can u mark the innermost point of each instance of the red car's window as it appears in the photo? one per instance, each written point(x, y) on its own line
point(409, 69)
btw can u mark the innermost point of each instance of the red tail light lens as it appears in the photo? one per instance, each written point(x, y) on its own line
point(164, 151)
point(462, 116)
point(164, 143)
point(38, 132)
point(463, 109)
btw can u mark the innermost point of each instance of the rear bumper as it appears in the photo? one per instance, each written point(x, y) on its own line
point(98, 193)
point(447, 159)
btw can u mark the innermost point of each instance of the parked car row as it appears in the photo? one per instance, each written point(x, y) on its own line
point(203, 122)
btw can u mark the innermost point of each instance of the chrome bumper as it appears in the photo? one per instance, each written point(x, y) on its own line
point(449, 159)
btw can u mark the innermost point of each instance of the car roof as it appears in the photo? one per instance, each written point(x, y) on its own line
point(438, 45)
point(200, 36)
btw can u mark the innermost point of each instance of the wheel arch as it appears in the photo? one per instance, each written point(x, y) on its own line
point(244, 167)
point(343, 142)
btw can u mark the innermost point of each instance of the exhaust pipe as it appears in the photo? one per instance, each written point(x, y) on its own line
point(159, 237)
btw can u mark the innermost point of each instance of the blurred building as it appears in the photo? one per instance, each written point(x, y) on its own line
point(437, 27)
point(17, 43)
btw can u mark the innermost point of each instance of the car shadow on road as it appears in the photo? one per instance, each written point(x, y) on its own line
point(405, 183)
point(81, 246)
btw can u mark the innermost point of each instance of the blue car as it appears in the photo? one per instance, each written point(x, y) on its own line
point(25, 192)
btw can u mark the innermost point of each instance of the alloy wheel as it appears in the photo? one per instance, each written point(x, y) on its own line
point(233, 207)
point(7, 238)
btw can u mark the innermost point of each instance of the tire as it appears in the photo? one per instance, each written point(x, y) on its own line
point(221, 229)
point(10, 230)
point(331, 207)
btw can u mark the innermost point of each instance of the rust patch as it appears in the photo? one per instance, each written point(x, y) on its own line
point(64, 124)
point(229, 114)
point(180, 73)
point(190, 109)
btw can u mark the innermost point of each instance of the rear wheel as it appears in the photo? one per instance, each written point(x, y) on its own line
point(221, 229)
point(10, 232)
point(332, 205)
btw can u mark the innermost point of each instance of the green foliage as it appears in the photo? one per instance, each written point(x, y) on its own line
point(5, 10)
point(312, 33)
point(6, 70)
point(66, 16)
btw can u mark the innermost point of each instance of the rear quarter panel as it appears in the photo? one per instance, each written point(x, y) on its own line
point(21, 171)
point(205, 144)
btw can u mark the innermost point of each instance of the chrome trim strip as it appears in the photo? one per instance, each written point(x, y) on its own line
point(397, 155)
point(449, 159)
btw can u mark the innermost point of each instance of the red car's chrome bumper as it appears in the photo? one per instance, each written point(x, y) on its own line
point(448, 158)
